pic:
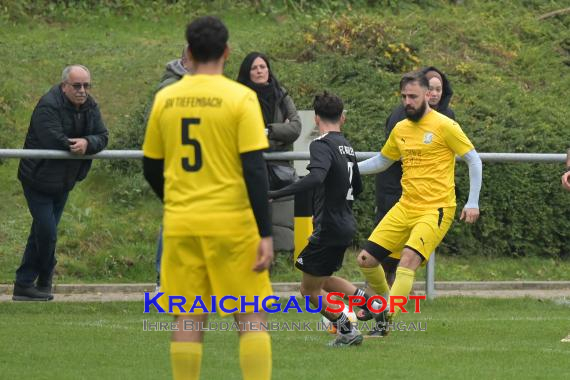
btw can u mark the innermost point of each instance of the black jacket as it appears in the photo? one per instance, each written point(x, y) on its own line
point(54, 120)
point(388, 182)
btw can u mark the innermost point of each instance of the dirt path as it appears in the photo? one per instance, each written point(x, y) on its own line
point(111, 294)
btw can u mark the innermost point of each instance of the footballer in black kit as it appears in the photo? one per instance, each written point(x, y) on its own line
point(335, 180)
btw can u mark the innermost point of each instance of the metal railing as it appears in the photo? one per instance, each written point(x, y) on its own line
point(137, 154)
point(133, 154)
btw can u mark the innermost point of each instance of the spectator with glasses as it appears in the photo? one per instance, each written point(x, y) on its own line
point(66, 118)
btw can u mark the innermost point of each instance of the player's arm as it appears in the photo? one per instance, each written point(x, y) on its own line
point(460, 144)
point(470, 212)
point(375, 164)
point(383, 160)
point(153, 171)
point(315, 177)
point(255, 176)
point(319, 164)
point(251, 143)
point(153, 153)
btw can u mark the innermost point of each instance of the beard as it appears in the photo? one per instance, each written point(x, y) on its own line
point(415, 115)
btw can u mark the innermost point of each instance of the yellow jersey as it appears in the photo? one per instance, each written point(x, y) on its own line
point(427, 149)
point(200, 125)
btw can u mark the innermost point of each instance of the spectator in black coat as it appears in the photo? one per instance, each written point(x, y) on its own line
point(283, 127)
point(66, 118)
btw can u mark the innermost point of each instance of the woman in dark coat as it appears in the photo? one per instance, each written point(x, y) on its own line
point(283, 127)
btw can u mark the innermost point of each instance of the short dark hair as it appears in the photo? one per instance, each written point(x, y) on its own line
point(328, 106)
point(207, 38)
point(414, 76)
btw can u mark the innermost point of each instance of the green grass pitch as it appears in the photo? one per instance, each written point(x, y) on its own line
point(466, 338)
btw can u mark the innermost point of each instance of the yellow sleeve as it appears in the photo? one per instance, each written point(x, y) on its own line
point(456, 139)
point(390, 149)
point(153, 144)
point(251, 130)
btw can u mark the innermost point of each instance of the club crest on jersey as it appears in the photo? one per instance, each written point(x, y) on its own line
point(428, 136)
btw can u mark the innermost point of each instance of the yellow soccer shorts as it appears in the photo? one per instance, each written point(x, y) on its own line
point(199, 267)
point(420, 230)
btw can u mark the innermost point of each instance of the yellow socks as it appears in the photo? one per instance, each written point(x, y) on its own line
point(186, 358)
point(254, 352)
point(376, 279)
point(255, 355)
point(403, 284)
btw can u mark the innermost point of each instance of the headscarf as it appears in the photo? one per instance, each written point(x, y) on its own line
point(447, 92)
point(434, 74)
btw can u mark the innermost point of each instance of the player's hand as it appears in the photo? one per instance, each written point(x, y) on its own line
point(78, 146)
point(470, 215)
point(264, 254)
point(566, 180)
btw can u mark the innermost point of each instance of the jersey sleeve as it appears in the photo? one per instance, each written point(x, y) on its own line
point(456, 139)
point(153, 145)
point(320, 155)
point(251, 130)
point(390, 149)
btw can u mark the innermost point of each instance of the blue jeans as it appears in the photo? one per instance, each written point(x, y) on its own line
point(39, 256)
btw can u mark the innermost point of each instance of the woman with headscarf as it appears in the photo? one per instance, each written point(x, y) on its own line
point(283, 127)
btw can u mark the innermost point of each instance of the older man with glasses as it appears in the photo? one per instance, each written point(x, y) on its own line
point(66, 118)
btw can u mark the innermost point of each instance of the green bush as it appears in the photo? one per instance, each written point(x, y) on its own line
point(130, 136)
point(362, 37)
point(504, 108)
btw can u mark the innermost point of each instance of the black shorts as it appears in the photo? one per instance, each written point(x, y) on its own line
point(321, 260)
point(390, 264)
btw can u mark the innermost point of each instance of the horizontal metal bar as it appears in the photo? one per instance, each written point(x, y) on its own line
point(487, 157)
point(523, 157)
point(60, 154)
point(137, 154)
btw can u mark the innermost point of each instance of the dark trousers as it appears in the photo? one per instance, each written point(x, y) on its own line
point(39, 256)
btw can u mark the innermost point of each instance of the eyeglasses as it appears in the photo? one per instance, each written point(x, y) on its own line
point(77, 86)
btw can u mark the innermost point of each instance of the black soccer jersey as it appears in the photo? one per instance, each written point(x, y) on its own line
point(333, 221)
